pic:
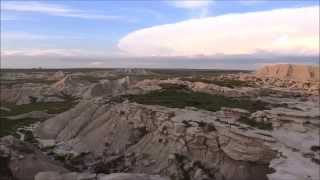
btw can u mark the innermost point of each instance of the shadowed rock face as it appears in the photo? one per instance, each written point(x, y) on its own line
point(178, 143)
point(22, 161)
point(290, 72)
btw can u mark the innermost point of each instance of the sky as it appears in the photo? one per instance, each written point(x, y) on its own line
point(200, 34)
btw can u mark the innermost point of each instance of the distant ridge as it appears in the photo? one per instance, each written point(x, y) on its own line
point(297, 72)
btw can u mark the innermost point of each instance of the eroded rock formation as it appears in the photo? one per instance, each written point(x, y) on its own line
point(290, 72)
point(159, 140)
point(22, 161)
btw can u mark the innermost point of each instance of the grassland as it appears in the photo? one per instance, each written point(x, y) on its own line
point(180, 98)
point(9, 126)
point(49, 107)
point(10, 83)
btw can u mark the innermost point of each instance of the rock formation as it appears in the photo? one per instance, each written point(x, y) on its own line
point(158, 140)
point(290, 72)
point(107, 137)
point(22, 161)
point(57, 76)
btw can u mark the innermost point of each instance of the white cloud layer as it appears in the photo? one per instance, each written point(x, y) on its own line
point(191, 4)
point(52, 9)
point(288, 31)
point(41, 52)
point(19, 35)
point(52, 52)
point(58, 53)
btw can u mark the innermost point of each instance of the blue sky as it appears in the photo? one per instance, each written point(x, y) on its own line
point(99, 30)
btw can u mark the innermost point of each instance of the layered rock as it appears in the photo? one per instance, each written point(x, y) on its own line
point(103, 135)
point(108, 88)
point(74, 86)
point(159, 140)
point(149, 85)
point(290, 72)
point(25, 93)
point(57, 76)
point(71, 85)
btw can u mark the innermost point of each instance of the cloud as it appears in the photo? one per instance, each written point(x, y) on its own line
point(51, 52)
point(191, 4)
point(20, 35)
point(286, 31)
point(59, 52)
point(251, 2)
point(198, 7)
point(52, 9)
point(96, 63)
point(41, 52)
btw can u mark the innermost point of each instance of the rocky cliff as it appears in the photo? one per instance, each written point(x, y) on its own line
point(290, 72)
point(179, 143)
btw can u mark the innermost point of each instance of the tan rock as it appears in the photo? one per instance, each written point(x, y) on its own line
point(290, 71)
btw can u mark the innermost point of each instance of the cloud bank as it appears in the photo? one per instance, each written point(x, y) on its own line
point(280, 31)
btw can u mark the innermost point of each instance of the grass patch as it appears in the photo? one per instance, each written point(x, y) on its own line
point(231, 83)
point(49, 107)
point(254, 123)
point(8, 126)
point(10, 83)
point(171, 86)
point(177, 98)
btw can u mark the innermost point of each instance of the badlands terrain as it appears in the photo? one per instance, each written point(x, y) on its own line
point(157, 124)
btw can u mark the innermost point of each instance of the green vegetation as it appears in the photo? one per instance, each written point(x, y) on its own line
point(260, 125)
point(49, 107)
point(178, 98)
point(10, 83)
point(9, 126)
point(171, 86)
point(231, 83)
